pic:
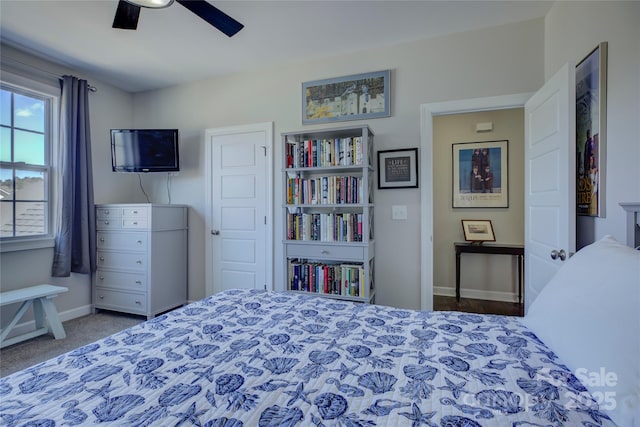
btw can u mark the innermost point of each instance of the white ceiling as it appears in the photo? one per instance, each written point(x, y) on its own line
point(173, 46)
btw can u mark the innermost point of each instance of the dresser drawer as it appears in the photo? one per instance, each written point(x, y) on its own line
point(120, 280)
point(106, 213)
point(126, 241)
point(114, 218)
point(134, 223)
point(109, 223)
point(120, 260)
point(119, 300)
point(355, 253)
point(140, 212)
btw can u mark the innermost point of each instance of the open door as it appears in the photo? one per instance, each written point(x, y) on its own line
point(550, 213)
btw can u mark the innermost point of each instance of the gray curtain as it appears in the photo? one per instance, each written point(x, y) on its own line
point(75, 244)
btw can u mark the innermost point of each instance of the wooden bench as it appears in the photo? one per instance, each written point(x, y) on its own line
point(43, 307)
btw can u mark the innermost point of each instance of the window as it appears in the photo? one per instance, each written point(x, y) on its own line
point(25, 163)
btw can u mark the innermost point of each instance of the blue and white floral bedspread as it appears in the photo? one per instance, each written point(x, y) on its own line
point(255, 358)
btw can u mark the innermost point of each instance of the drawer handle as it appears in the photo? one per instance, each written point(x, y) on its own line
point(106, 223)
point(102, 239)
point(139, 262)
point(139, 242)
point(101, 258)
point(138, 282)
point(138, 302)
point(135, 222)
point(135, 212)
point(101, 277)
point(106, 212)
point(324, 252)
point(101, 296)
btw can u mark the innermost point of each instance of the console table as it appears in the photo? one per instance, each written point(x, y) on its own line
point(513, 250)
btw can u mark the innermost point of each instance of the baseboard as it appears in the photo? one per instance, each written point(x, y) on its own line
point(28, 326)
point(446, 291)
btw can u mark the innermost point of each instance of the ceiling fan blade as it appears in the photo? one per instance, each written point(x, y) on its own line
point(213, 16)
point(127, 15)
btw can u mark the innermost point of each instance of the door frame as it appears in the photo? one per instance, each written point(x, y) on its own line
point(267, 128)
point(427, 112)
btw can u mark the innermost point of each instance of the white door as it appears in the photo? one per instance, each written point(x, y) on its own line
point(550, 222)
point(239, 208)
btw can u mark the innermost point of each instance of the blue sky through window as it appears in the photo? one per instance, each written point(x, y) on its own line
point(29, 121)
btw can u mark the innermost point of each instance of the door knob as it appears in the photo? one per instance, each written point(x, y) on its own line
point(215, 232)
point(559, 254)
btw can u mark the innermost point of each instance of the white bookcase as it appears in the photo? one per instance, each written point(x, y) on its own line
point(141, 258)
point(328, 212)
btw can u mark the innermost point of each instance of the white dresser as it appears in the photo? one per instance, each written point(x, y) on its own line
point(141, 258)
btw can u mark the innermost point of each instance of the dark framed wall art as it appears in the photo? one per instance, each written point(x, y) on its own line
point(355, 97)
point(398, 168)
point(591, 120)
point(480, 174)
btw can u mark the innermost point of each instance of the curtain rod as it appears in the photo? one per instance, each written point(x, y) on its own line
point(40, 70)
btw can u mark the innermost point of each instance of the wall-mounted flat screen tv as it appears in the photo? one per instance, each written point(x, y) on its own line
point(144, 150)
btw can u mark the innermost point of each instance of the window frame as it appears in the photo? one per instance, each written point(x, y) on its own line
point(32, 87)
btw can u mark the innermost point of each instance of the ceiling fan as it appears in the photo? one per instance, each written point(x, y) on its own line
point(128, 12)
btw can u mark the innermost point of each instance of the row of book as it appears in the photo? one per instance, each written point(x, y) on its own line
point(324, 152)
point(337, 279)
point(323, 190)
point(325, 227)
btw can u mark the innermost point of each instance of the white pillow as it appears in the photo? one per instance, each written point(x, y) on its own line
point(589, 316)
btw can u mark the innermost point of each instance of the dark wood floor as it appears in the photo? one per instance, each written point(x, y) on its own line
point(468, 305)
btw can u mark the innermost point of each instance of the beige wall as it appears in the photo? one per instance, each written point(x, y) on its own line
point(482, 276)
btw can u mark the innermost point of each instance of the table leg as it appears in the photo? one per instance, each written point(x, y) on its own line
point(38, 313)
point(457, 276)
point(55, 325)
point(520, 277)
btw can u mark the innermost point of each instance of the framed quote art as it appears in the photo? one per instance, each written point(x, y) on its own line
point(480, 174)
point(398, 168)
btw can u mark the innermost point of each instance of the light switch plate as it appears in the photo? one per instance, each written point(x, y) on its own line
point(399, 212)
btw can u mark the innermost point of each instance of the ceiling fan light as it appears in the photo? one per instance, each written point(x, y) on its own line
point(152, 4)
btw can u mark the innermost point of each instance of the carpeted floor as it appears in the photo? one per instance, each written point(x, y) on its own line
point(80, 331)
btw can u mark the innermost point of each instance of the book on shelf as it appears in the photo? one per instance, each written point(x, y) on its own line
point(330, 189)
point(324, 152)
point(325, 227)
point(353, 277)
point(327, 278)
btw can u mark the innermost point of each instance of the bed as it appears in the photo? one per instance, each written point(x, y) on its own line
point(260, 358)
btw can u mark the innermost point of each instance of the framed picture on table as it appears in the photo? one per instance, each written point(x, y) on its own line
point(478, 230)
